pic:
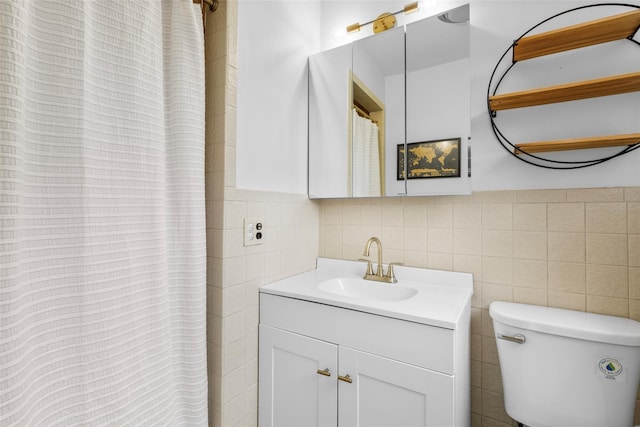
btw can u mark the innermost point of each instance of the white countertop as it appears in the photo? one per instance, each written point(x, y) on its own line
point(440, 300)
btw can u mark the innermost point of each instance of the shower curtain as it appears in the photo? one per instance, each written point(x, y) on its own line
point(102, 226)
point(366, 157)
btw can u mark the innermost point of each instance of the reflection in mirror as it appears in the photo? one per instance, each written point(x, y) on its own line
point(377, 95)
point(438, 104)
point(329, 123)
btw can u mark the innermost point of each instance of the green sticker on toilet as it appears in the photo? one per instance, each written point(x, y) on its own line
point(610, 367)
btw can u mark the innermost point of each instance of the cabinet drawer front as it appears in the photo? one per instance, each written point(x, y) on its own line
point(421, 345)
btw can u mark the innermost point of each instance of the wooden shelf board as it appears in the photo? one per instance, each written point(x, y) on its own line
point(605, 86)
point(589, 33)
point(578, 143)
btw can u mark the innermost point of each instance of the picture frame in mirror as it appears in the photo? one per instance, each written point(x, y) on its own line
point(429, 159)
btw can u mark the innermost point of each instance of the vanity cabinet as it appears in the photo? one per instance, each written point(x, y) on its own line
point(323, 365)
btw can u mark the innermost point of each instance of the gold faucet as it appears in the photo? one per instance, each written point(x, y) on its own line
point(379, 275)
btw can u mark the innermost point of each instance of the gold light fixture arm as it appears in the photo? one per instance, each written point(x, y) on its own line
point(353, 28)
point(385, 21)
point(411, 7)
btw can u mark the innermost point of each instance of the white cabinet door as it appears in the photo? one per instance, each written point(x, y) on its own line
point(292, 392)
point(387, 393)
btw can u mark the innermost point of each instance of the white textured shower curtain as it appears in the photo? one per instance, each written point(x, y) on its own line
point(102, 226)
point(366, 157)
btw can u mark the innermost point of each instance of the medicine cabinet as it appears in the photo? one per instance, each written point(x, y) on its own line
point(406, 90)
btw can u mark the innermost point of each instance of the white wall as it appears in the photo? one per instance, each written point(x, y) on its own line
point(275, 38)
point(274, 41)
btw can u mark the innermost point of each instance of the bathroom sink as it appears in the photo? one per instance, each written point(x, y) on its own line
point(433, 297)
point(363, 289)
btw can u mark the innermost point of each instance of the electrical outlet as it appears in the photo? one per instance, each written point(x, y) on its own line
point(253, 231)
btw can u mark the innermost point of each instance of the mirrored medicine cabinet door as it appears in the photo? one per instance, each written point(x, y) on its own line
point(381, 124)
point(356, 116)
point(329, 123)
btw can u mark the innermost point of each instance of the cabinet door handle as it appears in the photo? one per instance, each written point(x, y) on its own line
point(324, 372)
point(346, 378)
point(517, 338)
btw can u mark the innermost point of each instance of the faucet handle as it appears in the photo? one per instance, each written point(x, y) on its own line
point(369, 266)
point(390, 274)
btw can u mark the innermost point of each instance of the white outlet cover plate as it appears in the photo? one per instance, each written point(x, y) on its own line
point(253, 231)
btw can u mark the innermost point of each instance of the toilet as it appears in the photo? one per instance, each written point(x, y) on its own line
point(565, 368)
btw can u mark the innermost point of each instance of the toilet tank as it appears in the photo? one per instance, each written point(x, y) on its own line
point(567, 368)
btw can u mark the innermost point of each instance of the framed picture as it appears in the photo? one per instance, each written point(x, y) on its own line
point(429, 159)
point(400, 165)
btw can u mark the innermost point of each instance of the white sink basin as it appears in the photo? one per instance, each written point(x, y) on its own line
point(366, 289)
point(433, 297)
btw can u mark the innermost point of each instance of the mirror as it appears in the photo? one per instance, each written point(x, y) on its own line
point(377, 122)
point(329, 123)
point(439, 104)
point(358, 129)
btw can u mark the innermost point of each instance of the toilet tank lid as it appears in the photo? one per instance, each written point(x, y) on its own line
point(568, 323)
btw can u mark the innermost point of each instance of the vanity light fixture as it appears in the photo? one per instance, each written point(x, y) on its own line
point(384, 22)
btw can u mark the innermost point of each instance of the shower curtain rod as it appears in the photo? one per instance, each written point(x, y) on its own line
point(213, 4)
point(362, 112)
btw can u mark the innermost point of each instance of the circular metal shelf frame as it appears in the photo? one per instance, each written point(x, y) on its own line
point(537, 159)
